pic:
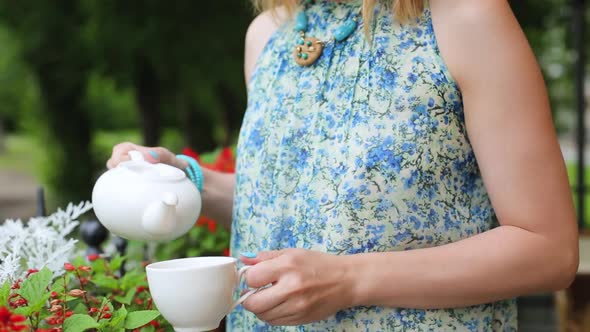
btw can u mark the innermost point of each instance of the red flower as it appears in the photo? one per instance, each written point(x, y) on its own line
point(69, 267)
point(202, 221)
point(31, 271)
point(224, 162)
point(11, 322)
point(211, 226)
point(16, 284)
point(93, 257)
point(226, 252)
point(191, 153)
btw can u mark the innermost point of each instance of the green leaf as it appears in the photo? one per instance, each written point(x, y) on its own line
point(148, 328)
point(79, 323)
point(118, 320)
point(25, 311)
point(194, 252)
point(117, 262)
point(39, 305)
point(197, 232)
point(98, 266)
point(105, 281)
point(58, 284)
point(133, 279)
point(79, 261)
point(208, 242)
point(80, 308)
point(33, 289)
point(127, 298)
point(4, 293)
point(139, 318)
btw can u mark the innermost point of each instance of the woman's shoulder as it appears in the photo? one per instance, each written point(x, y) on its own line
point(468, 11)
point(258, 34)
point(469, 33)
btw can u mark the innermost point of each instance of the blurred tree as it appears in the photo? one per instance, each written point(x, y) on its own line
point(52, 46)
point(108, 64)
point(182, 58)
point(547, 25)
point(13, 78)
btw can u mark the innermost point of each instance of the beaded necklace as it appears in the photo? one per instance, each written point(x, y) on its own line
point(309, 49)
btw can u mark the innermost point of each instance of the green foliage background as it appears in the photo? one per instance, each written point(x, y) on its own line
point(81, 75)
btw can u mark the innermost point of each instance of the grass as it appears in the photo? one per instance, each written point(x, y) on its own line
point(20, 153)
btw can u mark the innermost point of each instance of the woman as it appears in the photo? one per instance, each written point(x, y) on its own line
point(407, 178)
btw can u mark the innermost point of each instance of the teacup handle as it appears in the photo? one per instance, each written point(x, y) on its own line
point(247, 295)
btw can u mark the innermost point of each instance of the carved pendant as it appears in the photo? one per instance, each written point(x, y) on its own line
point(307, 51)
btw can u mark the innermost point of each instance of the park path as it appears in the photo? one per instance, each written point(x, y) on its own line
point(18, 190)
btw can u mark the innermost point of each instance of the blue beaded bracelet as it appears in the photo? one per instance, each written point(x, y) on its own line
point(193, 171)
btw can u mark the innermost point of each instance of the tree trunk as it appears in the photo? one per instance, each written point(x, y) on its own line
point(198, 128)
point(72, 167)
point(147, 95)
point(2, 137)
point(232, 113)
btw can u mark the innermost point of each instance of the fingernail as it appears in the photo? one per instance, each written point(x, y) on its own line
point(248, 254)
point(154, 154)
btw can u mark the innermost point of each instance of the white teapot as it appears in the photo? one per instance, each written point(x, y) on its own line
point(138, 200)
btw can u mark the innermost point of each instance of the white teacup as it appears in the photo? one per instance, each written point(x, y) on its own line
point(194, 294)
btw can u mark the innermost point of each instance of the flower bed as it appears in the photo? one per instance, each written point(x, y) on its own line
point(46, 287)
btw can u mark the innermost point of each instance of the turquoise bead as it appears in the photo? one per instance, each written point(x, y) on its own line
point(300, 41)
point(345, 30)
point(299, 55)
point(309, 43)
point(304, 56)
point(301, 22)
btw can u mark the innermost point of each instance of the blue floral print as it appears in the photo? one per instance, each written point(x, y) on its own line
point(365, 151)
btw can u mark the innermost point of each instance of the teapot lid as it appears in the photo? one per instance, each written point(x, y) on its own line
point(162, 172)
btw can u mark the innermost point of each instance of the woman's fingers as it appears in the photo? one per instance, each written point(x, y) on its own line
point(113, 162)
point(150, 154)
point(265, 299)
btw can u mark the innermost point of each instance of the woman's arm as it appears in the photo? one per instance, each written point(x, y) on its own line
point(218, 196)
point(509, 125)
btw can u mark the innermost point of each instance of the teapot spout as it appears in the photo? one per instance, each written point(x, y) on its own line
point(159, 217)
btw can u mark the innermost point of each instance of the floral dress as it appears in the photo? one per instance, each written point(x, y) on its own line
point(364, 151)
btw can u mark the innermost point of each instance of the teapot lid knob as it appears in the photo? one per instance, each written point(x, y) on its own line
point(136, 155)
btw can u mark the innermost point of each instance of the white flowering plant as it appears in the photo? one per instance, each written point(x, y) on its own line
point(46, 287)
point(41, 242)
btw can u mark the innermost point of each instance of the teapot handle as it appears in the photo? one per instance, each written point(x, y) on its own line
point(136, 155)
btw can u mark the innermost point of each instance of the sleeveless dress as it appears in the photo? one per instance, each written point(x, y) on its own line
point(365, 151)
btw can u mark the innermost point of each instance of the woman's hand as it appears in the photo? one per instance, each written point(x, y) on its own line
point(150, 154)
point(307, 286)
